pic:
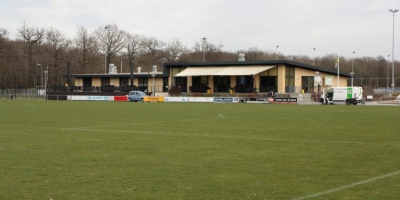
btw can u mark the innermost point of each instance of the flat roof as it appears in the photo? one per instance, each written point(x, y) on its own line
point(252, 63)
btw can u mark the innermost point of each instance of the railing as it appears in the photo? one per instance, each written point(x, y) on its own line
point(28, 93)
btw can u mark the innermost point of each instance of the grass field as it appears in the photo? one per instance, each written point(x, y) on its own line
point(120, 150)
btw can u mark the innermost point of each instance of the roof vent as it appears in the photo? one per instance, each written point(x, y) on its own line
point(241, 57)
point(112, 69)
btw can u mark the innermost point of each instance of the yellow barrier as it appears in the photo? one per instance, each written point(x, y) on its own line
point(153, 99)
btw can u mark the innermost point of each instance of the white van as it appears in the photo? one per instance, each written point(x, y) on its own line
point(348, 95)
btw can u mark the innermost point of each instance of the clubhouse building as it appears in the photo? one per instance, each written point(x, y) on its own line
point(278, 76)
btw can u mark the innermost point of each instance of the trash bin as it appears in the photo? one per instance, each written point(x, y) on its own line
point(363, 101)
point(11, 96)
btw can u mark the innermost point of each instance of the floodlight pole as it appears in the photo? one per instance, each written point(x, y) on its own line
point(352, 71)
point(105, 53)
point(313, 56)
point(393, 11)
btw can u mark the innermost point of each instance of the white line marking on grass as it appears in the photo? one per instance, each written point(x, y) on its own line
point(155, 122)
point(348, 186)
point(114, 131)
point(221, 115)
point(230, 137)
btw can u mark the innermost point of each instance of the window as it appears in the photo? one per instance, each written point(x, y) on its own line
point(307, 83)
point(142, 84)
point(87, 81)
point(123, 81)
point(199, 80)
point(289, 79)
point(244, 80)
point(105, 81)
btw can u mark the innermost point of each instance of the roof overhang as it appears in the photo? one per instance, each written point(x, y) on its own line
point(223, 71)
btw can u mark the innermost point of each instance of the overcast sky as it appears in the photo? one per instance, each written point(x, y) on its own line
point(297, 26)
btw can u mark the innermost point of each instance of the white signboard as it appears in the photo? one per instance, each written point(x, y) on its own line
point(90, 98)
point(328, 80)
point(201, 99)
point(176, 99)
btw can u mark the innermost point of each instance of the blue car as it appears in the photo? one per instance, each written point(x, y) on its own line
point(136, 96)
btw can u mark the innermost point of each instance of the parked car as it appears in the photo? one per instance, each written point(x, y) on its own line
point(136, 96)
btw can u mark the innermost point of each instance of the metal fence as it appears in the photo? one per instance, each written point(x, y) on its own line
point(29, 93)
point(373, 82)
point(23, 81)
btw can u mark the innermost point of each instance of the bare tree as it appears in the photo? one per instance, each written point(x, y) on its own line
point(57, 45)
point(212, 51)
point(174, 50)
point(133, 46)
point(152, 51)
point(32, 38)
point(3, 41)
point(111, 40)
point(87, 46)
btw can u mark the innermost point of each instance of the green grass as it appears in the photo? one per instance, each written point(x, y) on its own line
point(120, 150)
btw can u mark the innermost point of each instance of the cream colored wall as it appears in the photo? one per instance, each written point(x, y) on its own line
point(189, 83)
point(281, 78)
point(211, 83)
point(233, 81)
point(78, 82)
point(257, 80)
point(114, 81)
point(96, 81)
point(299, 72)
point(305, 72)
point(271, 72)
point(342, 81)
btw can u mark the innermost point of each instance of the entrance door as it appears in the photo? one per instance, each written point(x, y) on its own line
point(307, 84)
point(222, 83)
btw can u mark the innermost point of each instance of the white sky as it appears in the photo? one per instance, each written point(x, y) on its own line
point(297, 26)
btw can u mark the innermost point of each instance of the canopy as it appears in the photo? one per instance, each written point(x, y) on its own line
point(223, 71)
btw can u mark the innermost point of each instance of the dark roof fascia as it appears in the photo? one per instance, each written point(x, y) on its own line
point(113, 75)
point(245, 63)
point(316, 68)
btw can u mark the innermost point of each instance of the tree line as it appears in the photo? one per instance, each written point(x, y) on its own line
point(90, 52)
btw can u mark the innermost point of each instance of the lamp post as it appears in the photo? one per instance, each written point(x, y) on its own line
point(105, 53)
point(313, 56)
point(41, 74)
point(202, 48)
point(45, 81)
point(387, 80)
point(276, 52)
point(393, 11)
point(352, 71)
point(153, 74)
point(317, 81)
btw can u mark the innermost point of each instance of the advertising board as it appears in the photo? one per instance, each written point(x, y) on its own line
point(153, 99)
point(90, 98)
point(226, 99)
point(176, 99)
point(201, 99)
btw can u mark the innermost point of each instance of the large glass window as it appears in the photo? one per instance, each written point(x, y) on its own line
point(222, 83)
point(87, 81)
point(199, 84)
point(289, 79)
point(142, 84)
point(307, 83)
point(182, 83)
point(268, 83)
point(199, 80)
point(123, 81)
point(244, 84)
point(105, 81)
